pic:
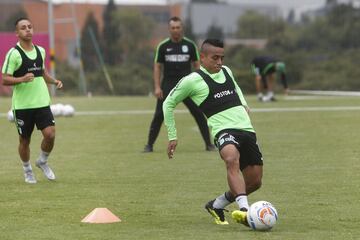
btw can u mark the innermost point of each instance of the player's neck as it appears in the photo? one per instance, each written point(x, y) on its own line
point(176, 40)
point(26, 45)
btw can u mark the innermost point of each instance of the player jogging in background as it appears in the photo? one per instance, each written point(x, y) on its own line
point(24, 69)
point(214, 89)
point(265, 69)
point(174, 58)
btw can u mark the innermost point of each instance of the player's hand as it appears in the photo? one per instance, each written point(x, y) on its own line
point(58, 84)
point(171, 148)
point(28, 77)
point(159, 93)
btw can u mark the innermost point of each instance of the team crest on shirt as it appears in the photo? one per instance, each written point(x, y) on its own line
point(185, 48)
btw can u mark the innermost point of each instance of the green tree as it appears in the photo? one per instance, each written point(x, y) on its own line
point(215, 31)
point(331, 2)
point(136, 29)
point(344, 18)
point(291, 17)
point(188, 30)
point(9, 24)
point(338, 30)
point(111, 33)
point(88, 52)
point(253, 25)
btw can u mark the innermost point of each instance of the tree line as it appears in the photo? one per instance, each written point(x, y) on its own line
point(321, 52)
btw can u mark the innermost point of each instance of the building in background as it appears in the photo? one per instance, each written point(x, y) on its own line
point(202, 16)
point(64, 14)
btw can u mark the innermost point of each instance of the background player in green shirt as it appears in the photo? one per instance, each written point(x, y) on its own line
point(215, 91)
point(24, 69)
point(266, 69)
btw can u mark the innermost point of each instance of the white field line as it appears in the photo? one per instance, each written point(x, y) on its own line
point(255, 110)
point(326, 93)
point(292, 109)
point(307, 109)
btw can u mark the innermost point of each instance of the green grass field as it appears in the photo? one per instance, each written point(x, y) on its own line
point(311, 174)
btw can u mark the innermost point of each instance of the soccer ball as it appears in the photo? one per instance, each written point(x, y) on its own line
point(262, 216)
point(56, 110)
point(10, 116)
point(68, 110)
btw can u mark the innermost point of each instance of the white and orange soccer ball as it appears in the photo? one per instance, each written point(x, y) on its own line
point(262, 216)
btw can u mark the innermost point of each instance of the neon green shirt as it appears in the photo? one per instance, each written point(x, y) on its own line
point(194, 86)
point(34, 94)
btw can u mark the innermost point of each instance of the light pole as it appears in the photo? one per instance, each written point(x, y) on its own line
point(82, 83)
point(52, 43)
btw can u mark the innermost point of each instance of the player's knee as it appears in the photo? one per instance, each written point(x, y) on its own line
point(231, 162)
point(49, 136)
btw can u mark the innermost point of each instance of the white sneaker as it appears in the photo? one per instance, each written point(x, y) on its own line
point(29, 177)
point(46, 170)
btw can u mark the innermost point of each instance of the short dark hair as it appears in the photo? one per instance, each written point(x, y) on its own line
point(175, 19)
point(20, 19)
point(213, 42)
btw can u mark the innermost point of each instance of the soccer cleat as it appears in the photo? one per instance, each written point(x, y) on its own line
point(29, 177)
point(240, 216)
point(261, 98)
point(273, 99)
point(46, 170)
point(218, 214)
point(148, 148)
point(210, 148)
point(269, 98)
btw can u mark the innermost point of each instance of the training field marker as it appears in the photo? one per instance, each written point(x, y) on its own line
point(101, 215)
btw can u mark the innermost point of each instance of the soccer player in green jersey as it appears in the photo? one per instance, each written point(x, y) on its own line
point(215, 91)
point(265, 69)
point(24, 69)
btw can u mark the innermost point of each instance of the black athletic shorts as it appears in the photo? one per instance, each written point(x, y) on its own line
point(245, 142)
point(26, 119)
point(270, 71)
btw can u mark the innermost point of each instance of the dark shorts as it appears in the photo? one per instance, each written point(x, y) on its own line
point(245, 142)
point(26, 119)
point(269, 71)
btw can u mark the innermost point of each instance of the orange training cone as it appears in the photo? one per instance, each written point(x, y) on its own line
point(101, 215)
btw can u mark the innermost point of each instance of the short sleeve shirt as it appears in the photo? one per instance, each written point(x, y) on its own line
point(34, 94)
point(176, 58)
